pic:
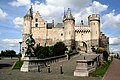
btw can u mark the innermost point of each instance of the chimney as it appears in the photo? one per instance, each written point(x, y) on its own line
point(52, 23)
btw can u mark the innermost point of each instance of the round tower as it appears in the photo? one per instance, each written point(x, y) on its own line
point(69, 35)
point(27, 25)
point(94, 22)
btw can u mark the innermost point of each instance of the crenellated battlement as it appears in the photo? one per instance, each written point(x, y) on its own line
point(94, 17)
point(82, 31)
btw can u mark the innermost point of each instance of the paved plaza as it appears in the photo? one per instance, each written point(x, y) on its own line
point(68, 69)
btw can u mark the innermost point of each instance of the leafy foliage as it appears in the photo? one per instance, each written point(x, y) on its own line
point(50, 51)
point(105, 55)
point(8, 53)
point(101, 50)
point(59, 49)
point(104, 52)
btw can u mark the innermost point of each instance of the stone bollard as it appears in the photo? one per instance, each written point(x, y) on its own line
point(49, 69)
point(38, 67)
point(61, 71)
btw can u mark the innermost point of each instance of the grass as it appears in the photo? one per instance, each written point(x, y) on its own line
point(18, 64)
point(101, 70)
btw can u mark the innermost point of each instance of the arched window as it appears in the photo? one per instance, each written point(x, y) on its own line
point(36, 25)
point(36, 20)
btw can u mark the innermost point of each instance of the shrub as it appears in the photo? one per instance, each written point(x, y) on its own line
point(105, 55)
point(50, 51)
point(59, 49)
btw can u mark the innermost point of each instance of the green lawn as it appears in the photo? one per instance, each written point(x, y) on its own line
point(18, 64)
point(101, 70)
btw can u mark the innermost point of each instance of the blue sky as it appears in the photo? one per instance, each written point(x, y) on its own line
point(12, 12)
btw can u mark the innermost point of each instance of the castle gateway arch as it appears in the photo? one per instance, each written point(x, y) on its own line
point(82, 46)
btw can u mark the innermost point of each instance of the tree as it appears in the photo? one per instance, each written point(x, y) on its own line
point(105, 55)
point(100, 50)
point(42, 51)
point(50, 51)
point(37, 51)
point(8, 53)
point(59, 49)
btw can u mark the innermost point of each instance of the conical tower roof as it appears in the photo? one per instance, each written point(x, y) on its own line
point(68, 15)
point(29, 12)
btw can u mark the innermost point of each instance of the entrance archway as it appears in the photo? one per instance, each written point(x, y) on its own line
point(82, 46)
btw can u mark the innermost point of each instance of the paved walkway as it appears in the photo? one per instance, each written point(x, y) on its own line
point(113, 72)
point(68, 69)
point(6, 63)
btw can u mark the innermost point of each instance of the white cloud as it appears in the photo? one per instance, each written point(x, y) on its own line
point(54, 9)
point(95, 8)
point(18, 22)
point(11, 42)
point(2, 14)
point(81, 9)
point(76, 4)
point(18, 3)
point(114, 44)
point(111, 20)
point(114, 41)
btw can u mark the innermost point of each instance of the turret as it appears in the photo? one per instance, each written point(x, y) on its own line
point(69, 35)
point(28, 22)
point(94, 22)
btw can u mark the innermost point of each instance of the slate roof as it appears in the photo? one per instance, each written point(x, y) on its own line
point(59, 25)
point(49, 25)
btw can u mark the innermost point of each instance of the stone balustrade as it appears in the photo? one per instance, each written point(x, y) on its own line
point(31, 63)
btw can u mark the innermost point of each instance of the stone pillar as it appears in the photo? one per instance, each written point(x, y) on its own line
point(84, 67)
point(29, 64)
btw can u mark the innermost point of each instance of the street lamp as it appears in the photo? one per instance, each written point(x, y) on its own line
point(20, 46)
point(19, 55)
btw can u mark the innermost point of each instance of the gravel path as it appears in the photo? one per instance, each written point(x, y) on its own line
point(113, 72)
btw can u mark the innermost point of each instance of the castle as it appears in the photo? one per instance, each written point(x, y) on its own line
point(79, 37)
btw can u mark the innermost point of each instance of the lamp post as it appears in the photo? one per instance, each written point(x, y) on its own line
point(19, 55)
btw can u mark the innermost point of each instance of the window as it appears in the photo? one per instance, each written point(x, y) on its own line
point(36, 25)
point(61, 34)
point(36, 20)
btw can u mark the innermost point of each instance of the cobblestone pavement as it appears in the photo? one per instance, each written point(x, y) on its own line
point(68, 69)
point(113, 72)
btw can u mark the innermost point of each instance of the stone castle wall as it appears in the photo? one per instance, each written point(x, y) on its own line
point(79, 36)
